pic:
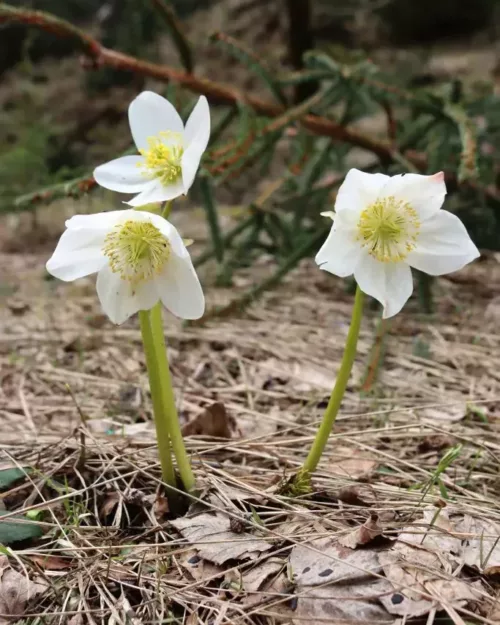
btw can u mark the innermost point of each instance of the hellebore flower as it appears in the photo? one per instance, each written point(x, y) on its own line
point(383, 225)
point(170, 152)
point(139, 258)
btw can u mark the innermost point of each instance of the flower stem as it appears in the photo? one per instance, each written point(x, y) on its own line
point(337, 395)
point(168, 399)
point(167, 207)
point(160, 417)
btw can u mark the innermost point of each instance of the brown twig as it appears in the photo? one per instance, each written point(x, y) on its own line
point(219, 92)
point(101, 56)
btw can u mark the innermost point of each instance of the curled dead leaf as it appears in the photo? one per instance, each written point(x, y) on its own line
point(363, 534)
point(110, 503)
point(51, 563)
point(213, 421)
point(358, 495)
point(161, 507)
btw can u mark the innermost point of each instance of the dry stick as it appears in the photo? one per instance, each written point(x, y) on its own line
point(100, 56)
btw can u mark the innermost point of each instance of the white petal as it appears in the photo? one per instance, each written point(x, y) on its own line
point(443, 246)
point(99, 221)
point(359, 190)
point(180, 290)
point(198, 123)
point(340, 253)
point(123, 175)
point(196, 138)
point(171, 233)
point(389, 283)
point(78, 253)
point(424, 193)
point(156, 192)
point(148, 115)
point(119, 299)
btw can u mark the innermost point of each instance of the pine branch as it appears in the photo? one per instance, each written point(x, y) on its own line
point(72, 188)
point(176, 32)
point(101, 56)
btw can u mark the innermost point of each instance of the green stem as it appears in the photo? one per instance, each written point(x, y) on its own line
point(160, 417)
point(337, 395)
point(168, 398)
point(167, 207)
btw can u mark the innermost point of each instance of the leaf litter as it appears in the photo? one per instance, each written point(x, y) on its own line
point(382, 456)
point(16, 591)
point(212, 536)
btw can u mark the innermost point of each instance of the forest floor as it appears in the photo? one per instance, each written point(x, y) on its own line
point(392, 532)
point(403, 521)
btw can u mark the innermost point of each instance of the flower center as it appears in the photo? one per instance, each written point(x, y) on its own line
point(136, 250)
point(163, 158)
point(389, 229)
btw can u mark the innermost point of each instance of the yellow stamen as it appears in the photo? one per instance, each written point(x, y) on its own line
point(163, 158)
point(137, 250)
point(389, 229)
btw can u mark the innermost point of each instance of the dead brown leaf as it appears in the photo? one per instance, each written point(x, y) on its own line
point(110, 503)
point(362, 534)
point(198, 568)
point(213, 421)
point(481, 545)
point(161, 507)
point(265, 583)
point(337, 585)
point(348, 462)
point(211, 535)
point(434, 532)
point(443, 414)
point(253, 579)
point(420, 564)
point(51, 563)
point(16, 590)
point(415, 574)
point(358, 495)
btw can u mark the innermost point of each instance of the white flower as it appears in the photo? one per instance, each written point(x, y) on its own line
point(139, 258)
point(384, 225)
point(169, 152)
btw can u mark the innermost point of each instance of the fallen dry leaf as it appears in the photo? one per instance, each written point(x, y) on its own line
point(161, 507)
point(51, 563)
point(434, 532)
point(443, 414)
point(275, 585)
point(481, 546)
point(211, 535)
point(198, 568)
point(358, 495)
point(349, 462)
point(362, 534)
point(415, 574)
point(225, 493)
point(253, 579)
point(302, 377)
point(16, 590)
point(419, 566)
point(110, 503)
point(213, 421)
point(336, 585)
